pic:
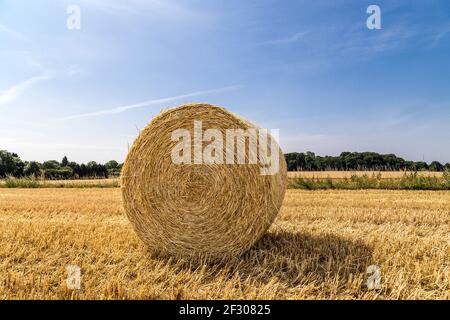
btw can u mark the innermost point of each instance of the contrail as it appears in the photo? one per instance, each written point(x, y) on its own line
point(149, 103)
point(12, 93)
point(294, 38)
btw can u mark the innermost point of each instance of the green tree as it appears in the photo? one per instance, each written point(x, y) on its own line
point(421, 166)
point(51, 164)
point(10, 164)
point(112, 165)
point(64, 162)
point(33, 168)
point(436, 166)
point(447, 166)
point(356, 161)
point(60, 173)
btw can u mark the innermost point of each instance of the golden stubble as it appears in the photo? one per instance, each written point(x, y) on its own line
point(318, 248)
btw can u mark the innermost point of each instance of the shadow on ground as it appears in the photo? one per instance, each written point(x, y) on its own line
point(292, 259)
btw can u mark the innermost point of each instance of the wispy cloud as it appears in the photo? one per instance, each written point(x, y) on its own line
point(439, 34)
point(368, 44)
point(364, 44)
point(13, 33)
point(12, 93)
point(291, 39)
point(147, 103)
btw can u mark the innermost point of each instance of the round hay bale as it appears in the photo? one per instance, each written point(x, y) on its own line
point(197, 209)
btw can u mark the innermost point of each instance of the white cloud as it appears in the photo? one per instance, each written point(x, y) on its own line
point(12, 93)
point(121, 109)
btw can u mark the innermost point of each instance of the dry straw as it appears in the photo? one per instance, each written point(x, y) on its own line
point(216, 211)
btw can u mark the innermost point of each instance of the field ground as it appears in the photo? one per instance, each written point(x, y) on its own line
point(319, 247)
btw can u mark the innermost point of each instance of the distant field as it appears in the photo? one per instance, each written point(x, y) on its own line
point(82, 183)
point(320, 246)
point(86, 182)
point(349, 174)
point(306, 175)
point(318, 180)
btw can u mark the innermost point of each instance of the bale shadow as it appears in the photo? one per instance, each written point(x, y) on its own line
point(290, 258)
point(302, 258)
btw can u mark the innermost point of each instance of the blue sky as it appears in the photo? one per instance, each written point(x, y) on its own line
point(309, 68)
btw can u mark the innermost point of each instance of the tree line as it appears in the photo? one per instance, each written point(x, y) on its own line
point(12, 166)
point(358, 161)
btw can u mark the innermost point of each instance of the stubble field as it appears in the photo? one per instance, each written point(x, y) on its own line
point(319, 247)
